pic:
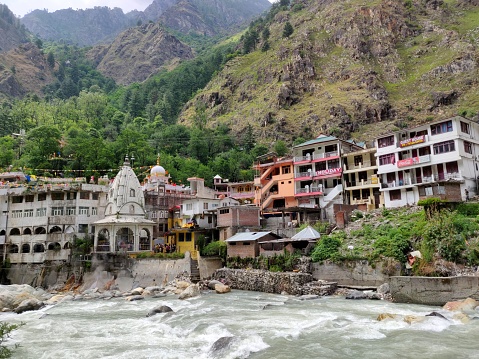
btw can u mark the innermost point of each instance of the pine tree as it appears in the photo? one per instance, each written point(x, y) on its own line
point(288, 29)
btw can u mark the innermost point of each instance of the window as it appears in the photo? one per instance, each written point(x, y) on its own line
point(387, 159)
point(94, 211)
point(441, 190)
point(443, 147)
point(17, 214)
point(188, 237)
point(205, 205)
point(395, 195)
point(153, 214)
point(83, 211)
point(29, 198)
point(467, 147)
point(465, 127)
point(132, 192)
point(17, 199)
point(286, 169)
point(71, 211)
point(57, 211)
point(246, 243)
point(28, 213)
point(58, 196)
point(95, 196)
point(189, 206)
point(333, 163)
point(442, 127)
point(84, 195)
point(224, 211)
point(41, 212)
point(386, 141)
point(42, 197)
point(83, 228)
point(71, 195)
point(358, 160)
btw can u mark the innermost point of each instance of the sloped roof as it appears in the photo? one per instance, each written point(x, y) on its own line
point(309, 233)
point(320, 138)
point(250, 236)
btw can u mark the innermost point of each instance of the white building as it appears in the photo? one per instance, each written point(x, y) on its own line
point(41, 218)
point(439, 160)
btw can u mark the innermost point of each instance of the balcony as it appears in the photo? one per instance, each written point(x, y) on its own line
point(362, 183)
point(412, 161)
point(303, 175)
point(324, 155)
point(311, 191)
point(434, 178)
point(359, 166)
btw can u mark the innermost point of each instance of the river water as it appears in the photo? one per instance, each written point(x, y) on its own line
point(261, 326)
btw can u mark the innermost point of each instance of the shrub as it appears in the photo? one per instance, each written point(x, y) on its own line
point(217, 248)
point(468, 209)
point(327, 247)
point(5, 330)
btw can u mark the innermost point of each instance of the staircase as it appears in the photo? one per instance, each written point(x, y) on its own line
point(195, 271)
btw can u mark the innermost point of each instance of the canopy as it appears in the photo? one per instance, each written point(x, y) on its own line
point(307, 234)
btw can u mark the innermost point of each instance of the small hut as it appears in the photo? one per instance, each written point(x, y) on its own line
point(302, 241)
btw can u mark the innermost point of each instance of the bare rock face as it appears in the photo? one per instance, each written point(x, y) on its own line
point(467, 304)
point(138, 53)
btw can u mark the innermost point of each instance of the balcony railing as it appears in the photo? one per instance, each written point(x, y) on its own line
point(319, 156)
point(303, 174)
point(360, 165)
point(423, 180)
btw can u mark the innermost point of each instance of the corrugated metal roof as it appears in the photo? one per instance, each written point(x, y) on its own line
point(321, 138)
point(306, 234)
point(249, 236)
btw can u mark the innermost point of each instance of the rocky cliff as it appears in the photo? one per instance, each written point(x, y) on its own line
point(138, 53)
point(24, 70)
point(350, 68)
point(12, 33)
point(79, 27)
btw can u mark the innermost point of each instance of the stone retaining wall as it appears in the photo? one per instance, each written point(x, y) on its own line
point(356, 273)
point(264, 281)
point(433, 291)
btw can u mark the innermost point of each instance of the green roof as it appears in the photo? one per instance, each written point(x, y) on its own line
point(319, 139)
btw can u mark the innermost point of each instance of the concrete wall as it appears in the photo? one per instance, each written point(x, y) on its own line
point(208, 266)
point(356, 273)
point(433, 291)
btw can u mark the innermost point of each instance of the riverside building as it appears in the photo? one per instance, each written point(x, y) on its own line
point(438, 160)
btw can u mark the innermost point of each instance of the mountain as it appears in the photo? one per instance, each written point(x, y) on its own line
point(139, 52)
point(24, 70)
point(211, 17)
point(350, 68)
point(12, 32)
point(80, 27)
point(102, 24)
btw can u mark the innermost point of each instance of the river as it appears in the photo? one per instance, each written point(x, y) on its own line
point(263, 326)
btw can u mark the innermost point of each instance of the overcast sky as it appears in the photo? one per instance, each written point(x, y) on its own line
point(22, 7)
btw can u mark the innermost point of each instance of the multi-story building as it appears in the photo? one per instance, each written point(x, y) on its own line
point(439, 159)
point(274, 183)
point(361, 185)
point(240, 191)
point(318, 170)
point(41, 218)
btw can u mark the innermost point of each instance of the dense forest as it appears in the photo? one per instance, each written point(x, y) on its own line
point(85, 124)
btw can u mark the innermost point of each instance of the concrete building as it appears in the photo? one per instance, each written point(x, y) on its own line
point(246, 244)
point(318, 170)
point(243, 192)
point(41, 217)
point(361, 185)
point(439, 160)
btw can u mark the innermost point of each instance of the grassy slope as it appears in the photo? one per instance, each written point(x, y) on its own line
point(251, 83)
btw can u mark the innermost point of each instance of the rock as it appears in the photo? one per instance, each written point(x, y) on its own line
point(192, 291)
point(55, 299)
point(29, 304)
point(383, 288)
point(436, 314)
point(464, 305)
point(153, 289)
point(308, 297)
point(212, 283)
point(222, 288)
point(159, 295)
point(356, 294)
point(158, 310)
point(413, 319)
point(462, 318)
point(373, 295)
point(182, 284)
point(221, 345)
point(132, 298)
point(384, 316)
point(137, 291)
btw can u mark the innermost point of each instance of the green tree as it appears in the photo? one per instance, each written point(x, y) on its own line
point(280, 148)
point(265, 47)
point(288, 29)
point(7, 153)
point(42, 143)
point(51, 59)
